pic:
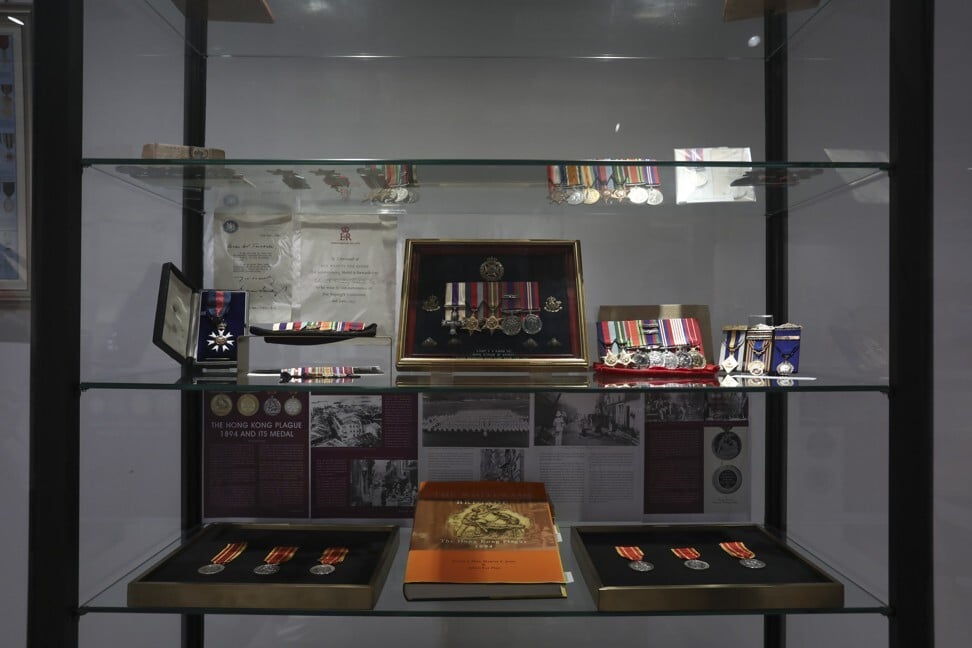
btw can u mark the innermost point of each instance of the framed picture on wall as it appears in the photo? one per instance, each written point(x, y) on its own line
point(479, 305)
point(14, 153)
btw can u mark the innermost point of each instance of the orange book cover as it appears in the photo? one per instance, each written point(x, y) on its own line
point(483, 540)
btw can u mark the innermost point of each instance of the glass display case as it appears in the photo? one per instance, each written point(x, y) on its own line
point(475, 122)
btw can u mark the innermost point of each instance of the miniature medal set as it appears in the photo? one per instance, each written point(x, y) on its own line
point(652, 346)
point(576, 184)
point(761, 349)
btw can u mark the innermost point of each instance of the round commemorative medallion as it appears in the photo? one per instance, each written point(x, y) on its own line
point(532, 324)
point(655, 196)
point(576, 196)
point(322, 570)
point(784, 368)
point(696, 564)
point(293, 406)
point(752, 563)
point(638, 195)
point(727, 479)
point(726, 445)
point(401, 194)
point(211, 568)
point(755, 367)
point(221, 404)
point(591, 196)
point(511, 325)
point(266, 570)
point(698, 360)
point(271, 406)
point(656, 358)
point(248, 405)
point(641, 565)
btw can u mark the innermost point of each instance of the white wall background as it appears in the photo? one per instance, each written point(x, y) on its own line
point(503, 108)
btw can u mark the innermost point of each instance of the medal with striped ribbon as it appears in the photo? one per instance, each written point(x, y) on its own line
point(691, 557)
point(635, 555)
point(218, 562)
point(746, 557)
point(331, 556)
point(273, 560)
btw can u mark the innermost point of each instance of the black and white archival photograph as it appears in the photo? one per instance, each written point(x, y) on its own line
point(476, 420)
point(384, 482)
point(578, 419)
point(675, 406)
point(501, 464)
point(345, 421)
point(727, 406)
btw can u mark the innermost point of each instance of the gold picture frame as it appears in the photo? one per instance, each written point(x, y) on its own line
point(492, 305)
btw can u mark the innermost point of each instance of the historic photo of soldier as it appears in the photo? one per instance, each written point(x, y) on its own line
point(501, 465)
point(476, 420)
point(384, 482)
point(345, 421)
point(567, 418)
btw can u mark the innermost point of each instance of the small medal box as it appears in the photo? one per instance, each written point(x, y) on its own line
point(786, 349)
point(198, 328)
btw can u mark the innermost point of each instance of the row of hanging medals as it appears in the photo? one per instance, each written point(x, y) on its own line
point(576, 184)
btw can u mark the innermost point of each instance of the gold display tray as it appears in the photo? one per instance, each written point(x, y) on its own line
point(788, 581)
point(174, 582)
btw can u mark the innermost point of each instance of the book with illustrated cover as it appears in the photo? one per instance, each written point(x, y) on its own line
point(483, 540)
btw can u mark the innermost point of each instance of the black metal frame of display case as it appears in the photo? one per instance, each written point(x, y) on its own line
point(53, 605)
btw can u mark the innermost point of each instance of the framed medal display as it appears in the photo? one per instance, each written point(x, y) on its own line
point(492, 305)
point(199, 328)
point(670, 568)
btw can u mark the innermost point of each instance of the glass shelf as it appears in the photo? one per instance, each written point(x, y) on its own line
point(392, 603)
point(398, 382)
point(463, 186)
point(575, 29)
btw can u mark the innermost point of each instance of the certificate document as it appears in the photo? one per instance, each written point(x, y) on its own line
point(254, 252)
point(347, 268)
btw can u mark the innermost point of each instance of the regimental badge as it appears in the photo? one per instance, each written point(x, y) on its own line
point(431, 304)
point(491, 269)
point(553, 305)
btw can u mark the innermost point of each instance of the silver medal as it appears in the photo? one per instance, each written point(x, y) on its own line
point(655, 196)
point(752, 563)
point(784, 368)
point(266, 570)
point(641, 565)
point(696, 564)
point(511, 325)
point(322, 570)
point(638, 195)
point(532, 324)
point(211, 568)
